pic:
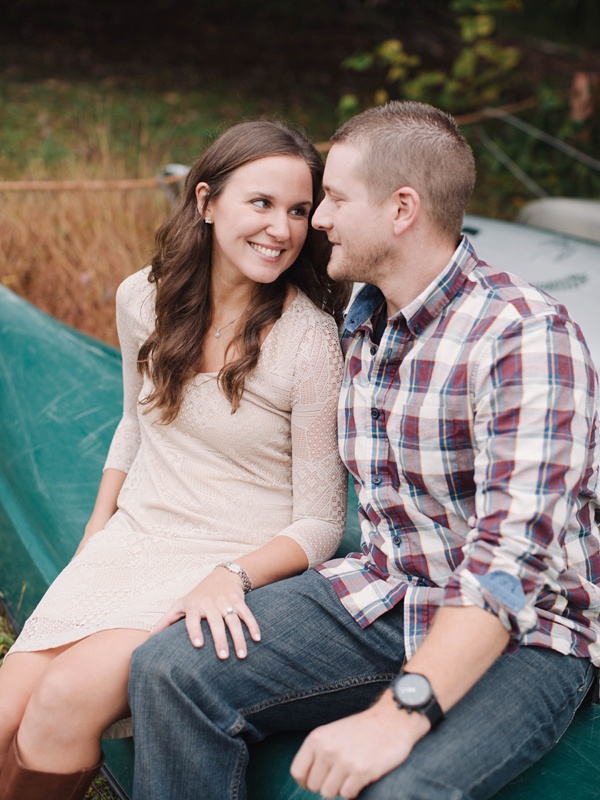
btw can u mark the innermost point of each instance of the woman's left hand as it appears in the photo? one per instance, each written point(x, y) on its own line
point(220, 600)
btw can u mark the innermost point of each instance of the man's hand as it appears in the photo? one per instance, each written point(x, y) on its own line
point(341, 758)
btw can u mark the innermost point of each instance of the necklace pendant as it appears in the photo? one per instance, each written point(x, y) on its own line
point(217, 334)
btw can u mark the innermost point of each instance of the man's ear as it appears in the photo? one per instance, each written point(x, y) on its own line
point(406, 206)
point(202, 190)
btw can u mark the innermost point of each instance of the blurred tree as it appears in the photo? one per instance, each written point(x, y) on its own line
point(478, 74)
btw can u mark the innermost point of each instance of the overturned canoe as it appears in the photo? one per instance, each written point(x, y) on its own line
point(60, 399)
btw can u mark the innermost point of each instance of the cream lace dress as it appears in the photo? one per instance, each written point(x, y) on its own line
point(210, 486)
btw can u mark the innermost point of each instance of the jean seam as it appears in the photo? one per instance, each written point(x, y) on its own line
point(238, 777)
point(290, 697)
point(499, 767)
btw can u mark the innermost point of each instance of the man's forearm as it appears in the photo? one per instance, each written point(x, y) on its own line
point(343, 757)
point(461, 646)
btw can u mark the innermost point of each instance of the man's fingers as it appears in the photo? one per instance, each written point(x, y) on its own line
point(320, 775)
point(322, 767)
point(302, 763)
point(333, 782)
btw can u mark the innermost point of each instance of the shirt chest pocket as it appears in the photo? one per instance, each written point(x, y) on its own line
point(431, 443)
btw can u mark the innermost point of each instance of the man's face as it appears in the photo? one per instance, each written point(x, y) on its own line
point(353, 221)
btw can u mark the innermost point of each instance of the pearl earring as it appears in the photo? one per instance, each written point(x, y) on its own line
point(208, 221)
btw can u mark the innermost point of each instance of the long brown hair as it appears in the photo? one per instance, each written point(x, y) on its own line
point(182, 264)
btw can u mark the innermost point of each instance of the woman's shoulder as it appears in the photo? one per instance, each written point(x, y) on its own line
point(304, 311)
point(135, 285)
point(303, 332)
point(135, 297)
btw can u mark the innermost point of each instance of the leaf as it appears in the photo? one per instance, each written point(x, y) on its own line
point(348, 106)
point(466, 64)
point(477, 27)
point(390, 49)
point(359, 62)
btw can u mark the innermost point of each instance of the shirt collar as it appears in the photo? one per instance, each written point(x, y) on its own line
point(427, 305)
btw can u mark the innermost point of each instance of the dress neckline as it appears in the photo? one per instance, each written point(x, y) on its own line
point(275, 324)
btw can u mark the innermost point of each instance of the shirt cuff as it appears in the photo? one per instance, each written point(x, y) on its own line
point(497, 592)
point(124, 446)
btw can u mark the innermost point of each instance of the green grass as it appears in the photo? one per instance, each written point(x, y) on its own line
point(51, 128)
point(6, 635)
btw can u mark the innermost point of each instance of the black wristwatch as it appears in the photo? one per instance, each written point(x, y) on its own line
point(413, 692)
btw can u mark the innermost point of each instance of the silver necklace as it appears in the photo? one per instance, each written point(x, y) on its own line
point(222, 328)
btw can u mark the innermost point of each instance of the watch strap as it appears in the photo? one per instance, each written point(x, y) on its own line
point(238, 570)
point(433, 712)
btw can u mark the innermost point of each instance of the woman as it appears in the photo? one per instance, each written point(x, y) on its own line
point(223, 474)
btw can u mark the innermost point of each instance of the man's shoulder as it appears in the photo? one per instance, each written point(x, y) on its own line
point(506, 296)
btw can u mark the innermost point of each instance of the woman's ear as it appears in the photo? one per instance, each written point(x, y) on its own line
point(202, 190)
point(407, 205)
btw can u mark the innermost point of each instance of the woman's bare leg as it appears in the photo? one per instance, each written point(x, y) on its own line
point(80, 693)
point(19, 675)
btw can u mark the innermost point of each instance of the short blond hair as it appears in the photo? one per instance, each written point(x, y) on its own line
point(416, 145)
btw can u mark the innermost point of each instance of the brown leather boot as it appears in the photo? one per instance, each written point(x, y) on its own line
point(17, 782)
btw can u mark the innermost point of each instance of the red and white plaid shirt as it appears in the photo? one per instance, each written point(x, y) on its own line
point(472, 433)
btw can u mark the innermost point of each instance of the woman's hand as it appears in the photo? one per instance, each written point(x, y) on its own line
point(220, 600)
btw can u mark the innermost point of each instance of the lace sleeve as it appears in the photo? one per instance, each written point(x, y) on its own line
point(135, 310)
point(319, 477)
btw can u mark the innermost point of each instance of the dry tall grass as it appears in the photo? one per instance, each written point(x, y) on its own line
point(67, 251)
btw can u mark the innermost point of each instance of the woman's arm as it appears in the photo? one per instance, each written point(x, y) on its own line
point(135, 310)
point(320, 482)
point(133, 296)
point(319, 497)
point(105, 506)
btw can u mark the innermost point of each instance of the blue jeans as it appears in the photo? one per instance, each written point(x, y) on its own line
point(193, 715)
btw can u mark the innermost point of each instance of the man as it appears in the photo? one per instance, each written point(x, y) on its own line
point(452, 651)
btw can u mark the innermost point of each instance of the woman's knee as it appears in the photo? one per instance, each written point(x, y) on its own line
point(60, 690)
point(19, 676)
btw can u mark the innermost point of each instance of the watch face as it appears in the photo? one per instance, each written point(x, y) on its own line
point(413, 691)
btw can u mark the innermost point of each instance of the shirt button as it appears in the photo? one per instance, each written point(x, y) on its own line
point(375, 413)
point(397, 539)
point(377, 480)
point(373, 350)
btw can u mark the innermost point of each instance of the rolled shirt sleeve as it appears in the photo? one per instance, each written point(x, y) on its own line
point(533, 410)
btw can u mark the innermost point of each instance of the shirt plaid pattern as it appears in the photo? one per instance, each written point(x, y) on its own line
point(472, 435)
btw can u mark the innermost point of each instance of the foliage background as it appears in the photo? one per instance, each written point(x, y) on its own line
point(118, 90)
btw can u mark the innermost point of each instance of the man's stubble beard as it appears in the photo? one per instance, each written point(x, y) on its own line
point(362, 265)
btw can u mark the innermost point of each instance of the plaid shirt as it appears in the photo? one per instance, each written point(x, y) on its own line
point(471, 431)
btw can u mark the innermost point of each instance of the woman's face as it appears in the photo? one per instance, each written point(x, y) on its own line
point(260, 219)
